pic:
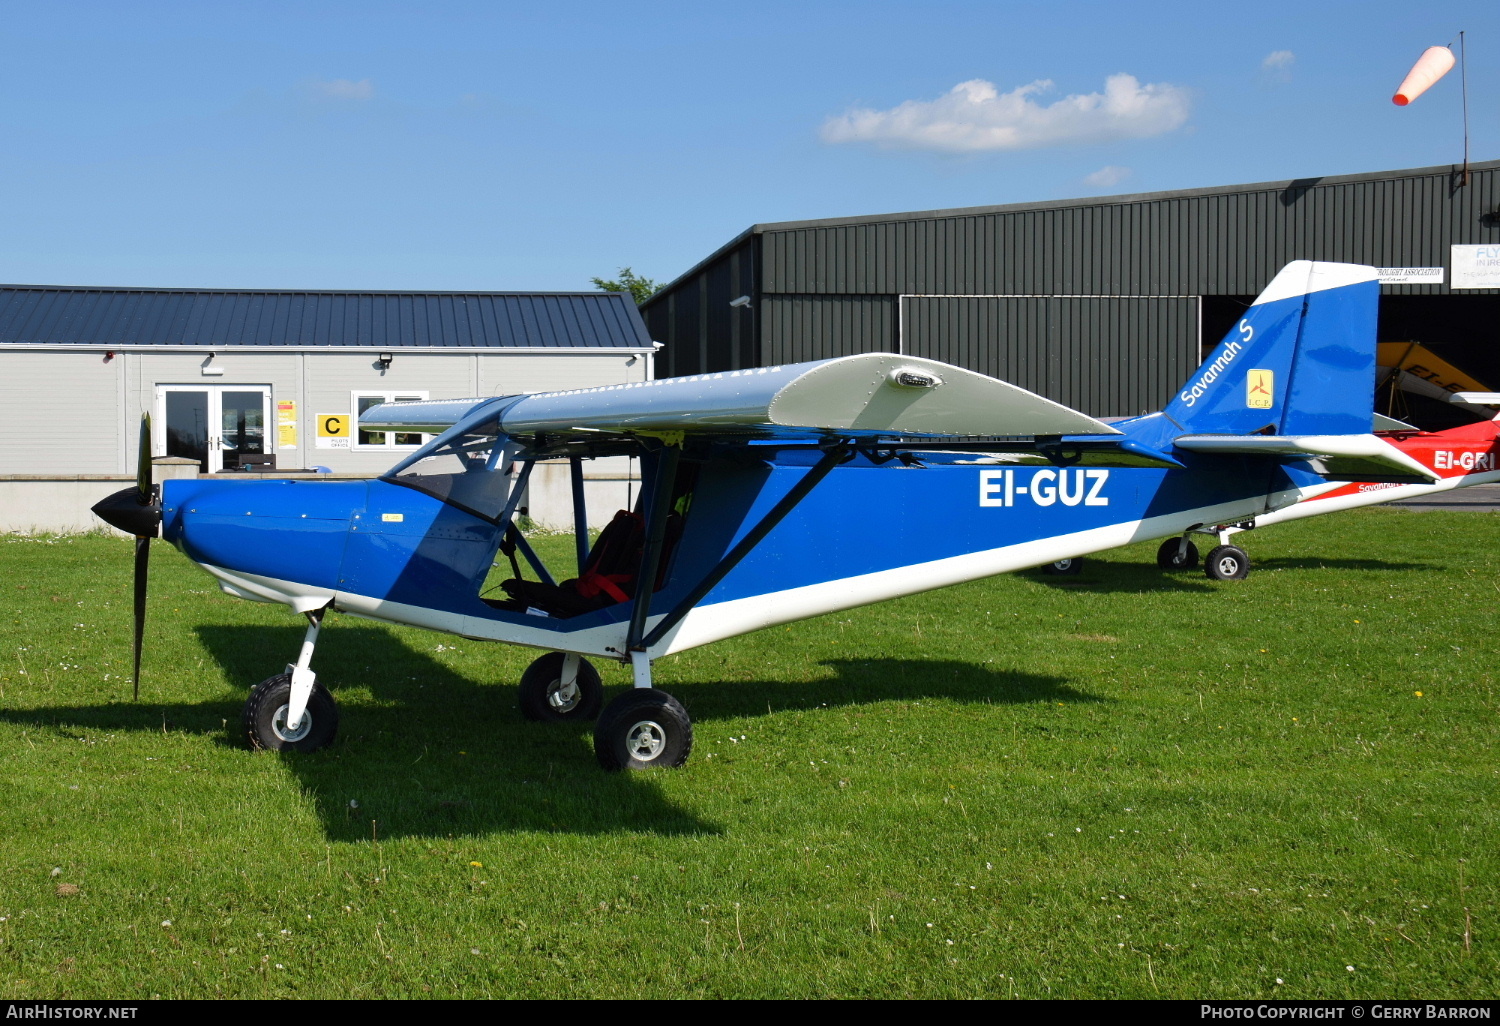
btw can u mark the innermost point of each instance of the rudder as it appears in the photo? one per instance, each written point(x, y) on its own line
point(1301, 361)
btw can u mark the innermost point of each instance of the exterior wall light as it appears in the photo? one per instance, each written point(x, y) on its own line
point(385, 361)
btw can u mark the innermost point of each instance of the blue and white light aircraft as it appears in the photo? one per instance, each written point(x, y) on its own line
point(769, 496)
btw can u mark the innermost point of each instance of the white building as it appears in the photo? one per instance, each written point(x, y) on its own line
point(261, 381)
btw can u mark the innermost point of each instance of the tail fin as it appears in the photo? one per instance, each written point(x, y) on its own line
point(1300, 362)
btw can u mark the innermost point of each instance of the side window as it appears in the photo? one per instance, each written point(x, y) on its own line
point(385, 439)
point(471, 470)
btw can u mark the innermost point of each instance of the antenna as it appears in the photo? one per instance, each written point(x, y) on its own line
point(1463, 77)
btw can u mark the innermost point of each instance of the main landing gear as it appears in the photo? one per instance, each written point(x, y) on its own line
point(642, 728)
point(561, 687)
point(1225, 562)
point(292, 711)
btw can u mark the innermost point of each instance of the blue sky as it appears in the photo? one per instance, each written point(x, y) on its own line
point(533, 146)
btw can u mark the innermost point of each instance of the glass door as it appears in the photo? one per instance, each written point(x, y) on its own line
point(215, 425)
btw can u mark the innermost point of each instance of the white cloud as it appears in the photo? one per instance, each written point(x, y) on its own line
point(1277, 65)
point(343, 89)
point(1107, 177)
point(973, 117)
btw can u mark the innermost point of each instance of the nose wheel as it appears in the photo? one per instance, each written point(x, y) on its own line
point(292, 712)
point(266, 714)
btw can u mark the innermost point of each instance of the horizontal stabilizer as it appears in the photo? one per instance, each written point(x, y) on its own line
point(1337, 457)
point(868, 394)
point(1384, 423)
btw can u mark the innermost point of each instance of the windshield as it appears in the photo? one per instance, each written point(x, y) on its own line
point(470, 469)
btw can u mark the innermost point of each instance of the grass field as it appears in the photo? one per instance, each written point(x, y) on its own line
point(1127, 783)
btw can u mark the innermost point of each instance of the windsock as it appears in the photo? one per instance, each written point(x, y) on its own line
point(1435, 62)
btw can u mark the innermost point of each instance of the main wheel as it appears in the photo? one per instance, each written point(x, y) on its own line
point(265, 717)
point(1168, 557)
point(543, 696)
point(643, 727)
point(1064, 566)
point(1227, 563)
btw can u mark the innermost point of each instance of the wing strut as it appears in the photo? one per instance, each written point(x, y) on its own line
point(580, 512)
point(656, 533)
point(517, 539)
point(832, 457)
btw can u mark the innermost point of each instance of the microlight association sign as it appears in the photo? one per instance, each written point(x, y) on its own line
point(1409, 275)
point(1476, 267)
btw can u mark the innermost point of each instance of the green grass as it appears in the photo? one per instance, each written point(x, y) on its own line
point(1123, 784)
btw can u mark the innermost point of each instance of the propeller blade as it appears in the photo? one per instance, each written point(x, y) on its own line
point(143, 462)
point(149, 515)
point(142, 558)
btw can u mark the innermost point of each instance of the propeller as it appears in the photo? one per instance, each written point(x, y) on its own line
point(137, 511)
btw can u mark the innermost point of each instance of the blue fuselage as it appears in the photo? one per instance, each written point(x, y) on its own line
point(866, 532)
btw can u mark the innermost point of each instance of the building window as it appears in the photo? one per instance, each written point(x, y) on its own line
point(385, 439)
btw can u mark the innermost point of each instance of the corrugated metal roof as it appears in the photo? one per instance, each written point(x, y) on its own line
point(1226, 197)
point(66, 315)
point(1291, 187)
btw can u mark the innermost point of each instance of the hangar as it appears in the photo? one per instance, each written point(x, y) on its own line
point(273, 381)
point(1103, 304)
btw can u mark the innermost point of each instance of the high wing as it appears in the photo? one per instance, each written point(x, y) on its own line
point(431, 416)
point(872, 394)
point(851, 396)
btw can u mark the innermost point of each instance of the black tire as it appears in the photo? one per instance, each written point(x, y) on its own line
point(541, 692)
point(1064, 567)
point(265, 717)
point(643, 728)
point(1227, 563)
point(1168, 559)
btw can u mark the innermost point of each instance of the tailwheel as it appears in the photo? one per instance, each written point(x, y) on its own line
point(1227, 563)
point(1064, 567)
point(643, 727)
point(547, 695)
point(1175, 554)
point(265, 717)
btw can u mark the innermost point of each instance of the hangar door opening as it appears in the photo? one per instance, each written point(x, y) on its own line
point(1107, 356)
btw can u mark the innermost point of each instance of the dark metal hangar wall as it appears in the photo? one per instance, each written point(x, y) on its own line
point(1103, 304)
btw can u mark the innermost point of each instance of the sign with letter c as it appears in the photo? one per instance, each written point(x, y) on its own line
point(333, 430)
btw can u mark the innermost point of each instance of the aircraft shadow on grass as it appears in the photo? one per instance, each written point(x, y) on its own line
point(1326, 563)
point(433, 753)
point(1102, 577)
